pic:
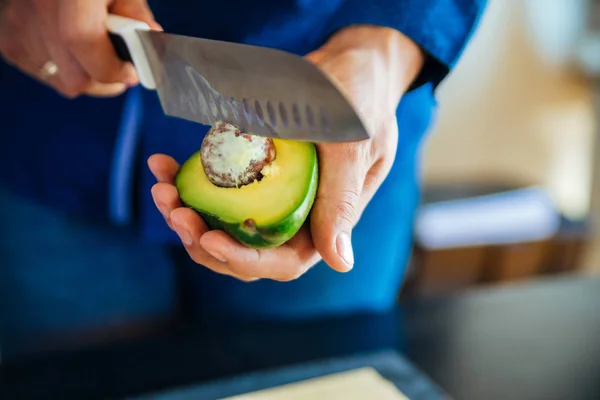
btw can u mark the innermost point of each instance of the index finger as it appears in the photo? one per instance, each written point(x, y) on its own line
point(82, 29)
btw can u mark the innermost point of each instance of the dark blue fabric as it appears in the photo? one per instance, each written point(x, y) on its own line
point(54, 150)
point(61, 275)
point(122, 175)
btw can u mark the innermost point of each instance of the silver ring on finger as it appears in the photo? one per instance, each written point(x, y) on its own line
point(48, 70)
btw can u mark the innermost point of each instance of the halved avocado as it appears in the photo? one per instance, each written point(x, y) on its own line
point(262, 214)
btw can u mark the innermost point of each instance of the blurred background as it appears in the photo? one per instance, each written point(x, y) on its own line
point(511, 166)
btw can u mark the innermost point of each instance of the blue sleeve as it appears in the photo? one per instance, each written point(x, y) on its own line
point(441, 28)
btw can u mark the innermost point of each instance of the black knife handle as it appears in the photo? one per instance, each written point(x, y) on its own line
point(120, 47)
point(124, 34)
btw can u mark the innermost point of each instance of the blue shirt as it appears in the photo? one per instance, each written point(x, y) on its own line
point(88, 156)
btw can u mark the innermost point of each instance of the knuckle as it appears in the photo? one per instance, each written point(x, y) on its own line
point(346, 208)
point(246, 279)
point(285, 278)
point(198, 258)
point(374, 151)
point(76, 34)
point(104, 75)
point(69, 94)
point(380, 169)
point(291, 275)
point(69, 34)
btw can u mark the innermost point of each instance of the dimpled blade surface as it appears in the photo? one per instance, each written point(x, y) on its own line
point(263, 91)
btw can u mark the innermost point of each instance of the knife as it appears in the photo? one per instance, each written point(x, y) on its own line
point(263, 91)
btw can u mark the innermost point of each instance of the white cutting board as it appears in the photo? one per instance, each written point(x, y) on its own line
point(358, 384)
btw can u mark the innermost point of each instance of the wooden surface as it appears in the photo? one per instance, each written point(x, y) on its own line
point(533, 341)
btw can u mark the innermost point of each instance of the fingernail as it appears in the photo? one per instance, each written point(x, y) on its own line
point(344, 248)
point(184, 235)
point(217, 255)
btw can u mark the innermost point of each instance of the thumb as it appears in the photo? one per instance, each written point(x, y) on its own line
point(135, 9)
point(337, 206)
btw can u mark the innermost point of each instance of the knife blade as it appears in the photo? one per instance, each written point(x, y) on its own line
point(263, 91)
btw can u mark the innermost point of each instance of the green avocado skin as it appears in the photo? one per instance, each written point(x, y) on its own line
point(266, 236)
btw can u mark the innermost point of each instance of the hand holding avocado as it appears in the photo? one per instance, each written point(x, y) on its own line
point(374, 66)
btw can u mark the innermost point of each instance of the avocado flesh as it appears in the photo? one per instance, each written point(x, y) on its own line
point(262, 214)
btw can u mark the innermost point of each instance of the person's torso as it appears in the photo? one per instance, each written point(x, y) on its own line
point(293, 25)
point(60, 151)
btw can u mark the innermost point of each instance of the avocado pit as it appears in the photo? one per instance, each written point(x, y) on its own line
point(232, 159)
